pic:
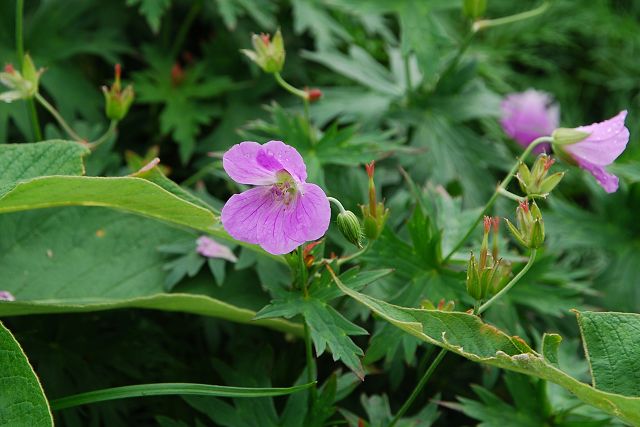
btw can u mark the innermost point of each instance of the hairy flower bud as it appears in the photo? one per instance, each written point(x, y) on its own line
point(117, 101)
point(267, 54)
point(566, 136)
point(374, 214)
point(349, 226)
point(529, 228)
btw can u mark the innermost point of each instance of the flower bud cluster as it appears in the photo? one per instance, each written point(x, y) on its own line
point(267, 54)
point(21, 85)
point(489, 274)
point(537, 181)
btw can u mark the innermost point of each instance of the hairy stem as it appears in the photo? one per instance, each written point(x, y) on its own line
point(291, 89)
point(56, 115)
point(31, 107)
point(311, 366)
point(486, 23)
point(502, 186)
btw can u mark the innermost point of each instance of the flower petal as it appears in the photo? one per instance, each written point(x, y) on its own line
point(255, 164)
point(529, 115)
point(282, 228)
point(286, 156)
point(241, 164)
point(209, 248)
point(607, 140)
point(607, 180)
point(240, 214)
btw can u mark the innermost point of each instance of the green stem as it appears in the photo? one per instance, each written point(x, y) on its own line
point(31, 107)
point(164, 389)
point(311, 367)
point(51, 109)
point(509, 195)
point(509, 285)
point(486, 23)
point(291, 89)
point(105, 137)
point(493, 198)
point(337, 203)
point(418, 389)
point(466, 42)
point(184, 27)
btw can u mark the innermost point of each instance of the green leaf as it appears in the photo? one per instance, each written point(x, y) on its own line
point(612, 345)
point(164, 389)
point(22, 400)
point(55, 157)
point(153, 10)
point(52, 256)
point(468, 336)
point(130, 194)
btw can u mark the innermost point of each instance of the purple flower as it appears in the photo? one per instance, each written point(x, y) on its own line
point(6, 296)
point(529, 115)
point(606, 141)
point(283, 211)
point(209, 248)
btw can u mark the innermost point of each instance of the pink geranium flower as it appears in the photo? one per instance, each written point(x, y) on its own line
point(6, 296)
point(606, 141)
point(529, 115)
point(283, 211)
point(209, 248)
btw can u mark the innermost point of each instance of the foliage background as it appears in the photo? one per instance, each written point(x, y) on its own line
point(197, 95)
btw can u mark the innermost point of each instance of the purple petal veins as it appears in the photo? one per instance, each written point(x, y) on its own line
point(283, 211)
point(6, 296)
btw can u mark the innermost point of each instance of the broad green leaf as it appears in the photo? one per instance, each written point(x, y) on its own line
point(22, 400)
point(612, 345)
point(55, 157)
point(468, 336)
point(89, 259)
point(130, 194)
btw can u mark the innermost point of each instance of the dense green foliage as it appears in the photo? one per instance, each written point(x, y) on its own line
point(98, 242)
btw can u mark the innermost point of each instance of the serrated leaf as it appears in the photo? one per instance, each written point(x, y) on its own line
point(22, 401)
point(467, 335)
point(152, 10)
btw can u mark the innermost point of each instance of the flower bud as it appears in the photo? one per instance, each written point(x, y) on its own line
point(535, 182)
point(22, 85)
point(474, 8)
point(566, 136)
point(474, 288)
point(117, 101)
point(349, 226)
point(530, 226)
point(374, 214)
point(267, 54)
point(313, 94)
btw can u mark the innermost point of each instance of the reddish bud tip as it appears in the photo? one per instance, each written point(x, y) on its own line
point(118, 70)
point(360, 422)
point(487, 223)
point(370, 167)
point(314, 94)
point(441, 304)
point(266, 38)
point(495, 222)
point(524, 205)
point(547, 164)
point(9, 69)
point(307, 249)
point(177, 74)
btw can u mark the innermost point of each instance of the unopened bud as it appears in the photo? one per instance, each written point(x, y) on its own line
point(313, 94)
point(268, 54)
point(374, 214)
point(117, 101)
point(349, 226)
point(567, 136)
point(474, 288)
point(474, 8)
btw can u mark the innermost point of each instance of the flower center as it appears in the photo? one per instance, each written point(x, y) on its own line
point(285, 188)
